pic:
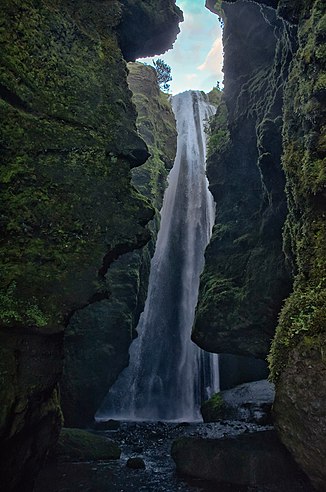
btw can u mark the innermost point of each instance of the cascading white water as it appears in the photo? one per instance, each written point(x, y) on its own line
point(169, 376)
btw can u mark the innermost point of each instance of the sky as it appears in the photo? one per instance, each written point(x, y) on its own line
point(196, 58)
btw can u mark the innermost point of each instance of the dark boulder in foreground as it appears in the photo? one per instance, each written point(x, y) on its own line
point(106, 425)
point(136, 463)
point(253, 459)
point(80, 445)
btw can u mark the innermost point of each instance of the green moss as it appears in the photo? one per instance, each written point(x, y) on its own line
point(302, 321)
point(77, 444)
point(303, 317)
point(213, 409)
point(217, 129)
point(98, 337)
point(158, 132)
point(215, 96)
point(218, 291)
point(215, 402)
point(15, 311)
point(67, 119)
point(245, 279)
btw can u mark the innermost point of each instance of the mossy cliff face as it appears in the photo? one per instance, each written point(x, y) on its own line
point(98, 337)
point(297, 358)
point(245, 279)
point(68, 141)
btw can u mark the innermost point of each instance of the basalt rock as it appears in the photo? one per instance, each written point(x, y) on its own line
point(98, 336)
point(296, 360)
point(30, 415)
point(252, 459)
point(136, 463)
point(152, 25)
point(245, 278)
point(249, 402)
point(81, 445)
point(68, 141)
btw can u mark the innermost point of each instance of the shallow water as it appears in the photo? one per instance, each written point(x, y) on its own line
point(152, 442)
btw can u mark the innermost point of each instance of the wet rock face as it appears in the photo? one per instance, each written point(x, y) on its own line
point(300, 410)
point(245, 278)
point(98, 337)
point(290, 10)
point(30, 416)
point(250, 402)
point(237, 369)
point(81, 445)
point(296, 359)
point(152, 25)
point(68, 142)
point(254, 459)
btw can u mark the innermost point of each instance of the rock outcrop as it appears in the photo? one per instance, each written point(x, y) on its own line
point(252, 459)
point(297, 360)
point(245, 279)
point(81, 445)
point(68, 209)
point(249, 402)
point(150, 24)
point(238, 369)
point(98, 336)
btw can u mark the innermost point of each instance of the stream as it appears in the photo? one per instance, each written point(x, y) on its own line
point(152, 442)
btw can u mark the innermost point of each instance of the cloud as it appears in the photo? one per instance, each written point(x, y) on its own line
point(191, 76)
point(192, 6)
point(196, 58)
point(214, 59)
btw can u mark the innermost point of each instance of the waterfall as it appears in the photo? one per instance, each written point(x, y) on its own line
point(169, 376)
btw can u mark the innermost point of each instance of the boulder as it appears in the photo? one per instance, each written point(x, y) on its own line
point(252, 459)
point(81, 445)
point(250, 402)
point(136, 463)
point(106, 425)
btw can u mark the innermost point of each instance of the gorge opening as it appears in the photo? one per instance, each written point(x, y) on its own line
point(168, 376)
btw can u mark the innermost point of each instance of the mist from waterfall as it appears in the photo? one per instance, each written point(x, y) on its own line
point(168, 375)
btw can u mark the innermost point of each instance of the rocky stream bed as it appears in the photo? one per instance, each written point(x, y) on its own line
point(152, 443)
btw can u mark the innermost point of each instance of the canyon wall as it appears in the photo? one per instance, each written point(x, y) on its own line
point(69, 142)
point(245, 278)
point(297, 359)
point(98, 336)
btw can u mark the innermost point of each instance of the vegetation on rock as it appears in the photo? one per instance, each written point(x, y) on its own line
point(304, 313)
point(297, 358)
point(245, 278)
point(212, 409)
point(81, 445)
point(163, 72)
point(68, 208)
point(217, 128)
point(64, 150)
point(98, 337)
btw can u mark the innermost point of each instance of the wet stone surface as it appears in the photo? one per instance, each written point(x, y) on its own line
point(152, 442)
